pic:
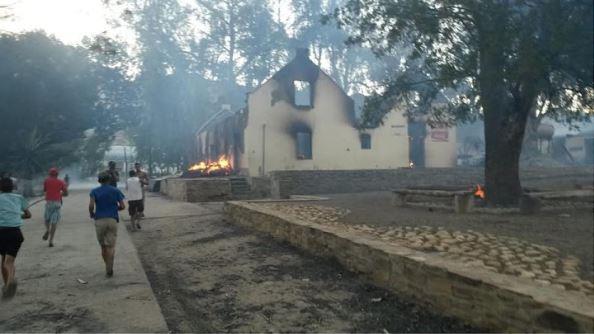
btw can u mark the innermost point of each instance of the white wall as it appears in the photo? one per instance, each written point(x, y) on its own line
point(335, 142)
point(441, 147)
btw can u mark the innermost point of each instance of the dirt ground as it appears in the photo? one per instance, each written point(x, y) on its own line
point(211, 276)
point(572, 232)
point(64, 288)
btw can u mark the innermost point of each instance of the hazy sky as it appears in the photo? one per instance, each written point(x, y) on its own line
point(71, 20)
point(68, 20)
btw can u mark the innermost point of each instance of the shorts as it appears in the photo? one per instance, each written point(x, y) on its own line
point(11, 239)
point(107, 231)
point(135, 207)
point(52, 212)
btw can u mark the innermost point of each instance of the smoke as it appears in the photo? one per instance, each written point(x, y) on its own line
point(76, 181)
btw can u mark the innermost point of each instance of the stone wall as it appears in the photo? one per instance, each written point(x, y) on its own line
point(197, 190)
point(260, 186)
point(285, 183)
point(488, 300)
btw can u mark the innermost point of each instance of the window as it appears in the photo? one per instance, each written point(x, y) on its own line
point(365, 141)
point(304, 145)
point(302, 94)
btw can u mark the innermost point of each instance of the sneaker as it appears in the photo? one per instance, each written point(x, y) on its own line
point(45, 235)
point(109, 273)
point(138, 226)
point(51, 244)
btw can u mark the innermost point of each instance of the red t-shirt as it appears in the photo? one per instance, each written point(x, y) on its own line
point(53, 188)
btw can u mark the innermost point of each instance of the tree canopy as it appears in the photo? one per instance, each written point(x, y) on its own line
point(494, 59)
point(51, 94)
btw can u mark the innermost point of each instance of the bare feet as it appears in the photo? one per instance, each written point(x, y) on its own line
point(9, 290)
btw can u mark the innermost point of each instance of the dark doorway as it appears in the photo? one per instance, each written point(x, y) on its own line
point(416, 146)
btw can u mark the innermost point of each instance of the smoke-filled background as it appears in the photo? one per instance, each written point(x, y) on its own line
point(138, 78)
point(76, 73)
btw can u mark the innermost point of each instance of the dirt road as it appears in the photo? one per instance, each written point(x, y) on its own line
point(64, 288)
point(209, 275)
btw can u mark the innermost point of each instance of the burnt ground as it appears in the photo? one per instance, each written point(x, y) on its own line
point(571, 231)
point(211, 276)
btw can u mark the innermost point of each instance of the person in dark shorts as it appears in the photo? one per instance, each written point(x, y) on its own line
point(144, 183)
point(135, 202)
point(104, 203)
point(13, 209)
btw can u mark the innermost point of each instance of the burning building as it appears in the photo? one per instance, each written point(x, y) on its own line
point(300, 119)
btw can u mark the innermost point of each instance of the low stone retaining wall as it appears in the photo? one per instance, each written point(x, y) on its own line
point(308, 182)
point(197, 190)
point(213, 189)
point(483, 298)
point(260, 186)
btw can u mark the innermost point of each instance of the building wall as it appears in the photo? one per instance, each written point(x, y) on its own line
point(440, 147)
point(576, 147)
point(270, 141)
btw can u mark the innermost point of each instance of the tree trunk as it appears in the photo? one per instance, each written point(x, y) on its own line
point(502, 167)
point(504, 125)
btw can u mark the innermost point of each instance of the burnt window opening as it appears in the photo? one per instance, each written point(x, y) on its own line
point(303, 96)
point(304, 151)
point(365, 141)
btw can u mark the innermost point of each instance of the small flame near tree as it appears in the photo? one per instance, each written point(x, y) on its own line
point(479, 192)
point(221, 166)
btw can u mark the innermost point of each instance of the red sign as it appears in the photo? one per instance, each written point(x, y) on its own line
point(439, 135)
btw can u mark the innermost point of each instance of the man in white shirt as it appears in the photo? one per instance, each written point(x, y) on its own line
point(134, 196)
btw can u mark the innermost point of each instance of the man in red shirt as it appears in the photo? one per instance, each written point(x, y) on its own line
point(54, 189)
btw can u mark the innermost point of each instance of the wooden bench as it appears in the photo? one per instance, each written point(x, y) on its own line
point(531, 202)
point(463, 200)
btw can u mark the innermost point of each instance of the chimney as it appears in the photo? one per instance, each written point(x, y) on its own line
point(302, 53)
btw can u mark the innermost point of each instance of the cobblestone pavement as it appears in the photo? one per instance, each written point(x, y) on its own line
point(506, 255)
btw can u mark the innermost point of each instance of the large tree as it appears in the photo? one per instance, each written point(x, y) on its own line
point(241, 43)
point(354, 68)
point(497, 59)
point(51, 95)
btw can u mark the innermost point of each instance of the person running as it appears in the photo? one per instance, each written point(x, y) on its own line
point(13, 209)
point(144, 182)
point(54, 189)
point(135, 204)
point(114, 175)
point(104, 203)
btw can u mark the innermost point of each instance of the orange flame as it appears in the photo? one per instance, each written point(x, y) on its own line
point(199, 166)
point(208, 167)
point(479, 192)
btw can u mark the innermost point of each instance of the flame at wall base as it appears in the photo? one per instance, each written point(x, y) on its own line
point(221, 166)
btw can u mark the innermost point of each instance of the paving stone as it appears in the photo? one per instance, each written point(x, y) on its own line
point(543, 281)
point(506, 255)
